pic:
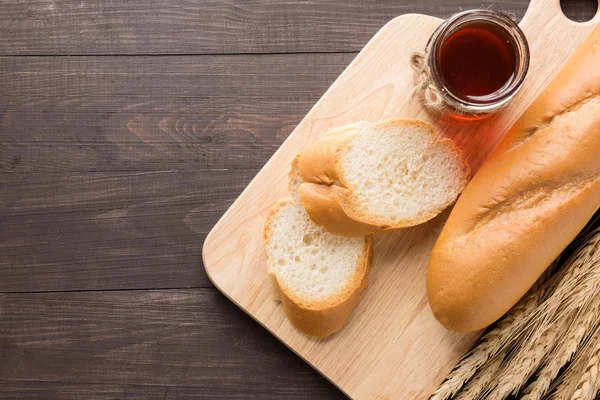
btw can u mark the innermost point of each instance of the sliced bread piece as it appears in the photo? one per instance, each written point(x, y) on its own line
point(364, 177)
point(319, 276)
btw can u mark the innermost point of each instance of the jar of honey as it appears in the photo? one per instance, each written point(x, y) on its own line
point(478, 60)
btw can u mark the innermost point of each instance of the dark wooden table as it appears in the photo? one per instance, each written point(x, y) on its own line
point(127, 127)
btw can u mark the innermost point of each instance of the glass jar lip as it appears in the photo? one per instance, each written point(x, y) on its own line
point(449, 26)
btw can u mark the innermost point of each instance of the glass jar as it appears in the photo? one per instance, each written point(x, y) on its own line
point(478, 60)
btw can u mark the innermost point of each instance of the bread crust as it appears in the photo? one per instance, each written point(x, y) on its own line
point(525, 205)
point(324, 317)
point(327, 195)
point(325, 320)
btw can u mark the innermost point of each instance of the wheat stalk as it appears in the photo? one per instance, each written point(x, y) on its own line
point(482, 379)
point(589, 382)
point(488, 347)
point(573, 285)
point(566, 303)
point(566, 384)
point(564, 351)
point(524, 362)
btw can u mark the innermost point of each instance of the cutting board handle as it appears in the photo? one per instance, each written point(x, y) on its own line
point(550, 11)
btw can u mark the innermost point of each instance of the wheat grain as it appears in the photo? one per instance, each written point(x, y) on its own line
point(573, 285)
point(482, 379)
point(566, 384)
point(589, 383)
point(564, 351)
point(489, 346)
point(525, 361)
point(570, 289)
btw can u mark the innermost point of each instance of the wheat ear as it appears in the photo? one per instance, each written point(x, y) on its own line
point(564, 351)
point(572, 287)
point(489, 346)
point(482, 379)
point(565, 385)
point(525, 361)
point(589, 382)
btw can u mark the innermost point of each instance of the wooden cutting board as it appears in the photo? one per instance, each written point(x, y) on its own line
point(392, 347)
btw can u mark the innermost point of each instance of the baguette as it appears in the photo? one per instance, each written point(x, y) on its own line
point(526, 204)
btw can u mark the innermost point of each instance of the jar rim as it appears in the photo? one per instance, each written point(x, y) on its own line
point(454, 23)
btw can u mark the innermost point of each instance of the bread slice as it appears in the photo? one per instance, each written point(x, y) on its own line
point(318, 276)
point(365, 177)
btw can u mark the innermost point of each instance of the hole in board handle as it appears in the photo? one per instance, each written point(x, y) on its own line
point(579, 10)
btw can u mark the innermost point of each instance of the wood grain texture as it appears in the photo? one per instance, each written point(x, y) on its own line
point(144, 344)
point(99, 231)
point(154, 113)
point(216, 27)
point(207, 27)
point(384, 351)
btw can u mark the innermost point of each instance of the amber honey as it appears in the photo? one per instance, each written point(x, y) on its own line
point(478, 61)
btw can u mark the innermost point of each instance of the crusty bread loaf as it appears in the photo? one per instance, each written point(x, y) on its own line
point(527, 202)
point(319, 276)
point(365, 177)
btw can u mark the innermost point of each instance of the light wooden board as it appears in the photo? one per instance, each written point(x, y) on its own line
point(392, 348)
